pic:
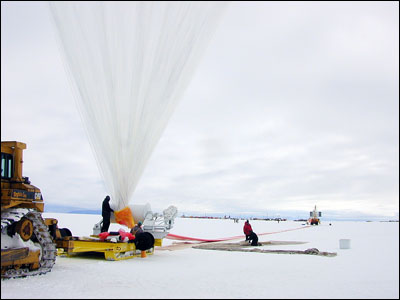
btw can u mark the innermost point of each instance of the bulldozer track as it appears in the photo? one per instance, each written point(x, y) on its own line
point(48, 247)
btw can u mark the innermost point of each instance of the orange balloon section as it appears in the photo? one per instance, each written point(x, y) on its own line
point(124, 217)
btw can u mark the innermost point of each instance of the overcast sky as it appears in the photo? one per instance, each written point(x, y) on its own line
point(294, 104)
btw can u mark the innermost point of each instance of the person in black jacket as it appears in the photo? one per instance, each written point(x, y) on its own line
point(106, 214)
point(253, 238)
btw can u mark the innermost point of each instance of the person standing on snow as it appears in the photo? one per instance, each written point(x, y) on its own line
point(247, 230)
point(106, 214)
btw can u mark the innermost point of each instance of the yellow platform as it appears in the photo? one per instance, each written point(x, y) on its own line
point(112, 251)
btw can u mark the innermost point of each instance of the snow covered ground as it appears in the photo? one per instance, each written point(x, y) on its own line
point(369, 269)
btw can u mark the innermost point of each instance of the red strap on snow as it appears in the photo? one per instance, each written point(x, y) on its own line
point(171, 236)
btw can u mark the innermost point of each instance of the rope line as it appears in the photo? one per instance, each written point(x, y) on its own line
point(171, 236)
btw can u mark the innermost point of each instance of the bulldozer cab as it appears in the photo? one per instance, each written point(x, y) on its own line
point(16, 190)
point(7, 166)
point(11, 161)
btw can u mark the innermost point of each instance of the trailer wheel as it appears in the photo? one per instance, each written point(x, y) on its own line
point(144, 241)
point(65, 232)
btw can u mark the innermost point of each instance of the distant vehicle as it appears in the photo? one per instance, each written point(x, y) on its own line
point(314, 217)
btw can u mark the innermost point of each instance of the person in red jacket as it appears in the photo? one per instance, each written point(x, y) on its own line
point(247, 230)
point(251, 236)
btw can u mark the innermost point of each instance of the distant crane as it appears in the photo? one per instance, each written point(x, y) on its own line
point(314, 217)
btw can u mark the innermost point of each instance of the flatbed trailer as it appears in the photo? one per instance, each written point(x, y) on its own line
point(71, 246)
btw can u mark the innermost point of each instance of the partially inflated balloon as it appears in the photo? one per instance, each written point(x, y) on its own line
point(129, 63)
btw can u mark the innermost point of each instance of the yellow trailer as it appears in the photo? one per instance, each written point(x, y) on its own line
point(70, 246)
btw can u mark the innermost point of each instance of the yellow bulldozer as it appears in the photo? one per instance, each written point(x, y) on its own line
point(27, 240)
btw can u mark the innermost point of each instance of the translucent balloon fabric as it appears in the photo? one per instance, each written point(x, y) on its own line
point(129, 63)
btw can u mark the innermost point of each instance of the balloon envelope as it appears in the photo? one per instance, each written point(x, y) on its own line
point(129, 63)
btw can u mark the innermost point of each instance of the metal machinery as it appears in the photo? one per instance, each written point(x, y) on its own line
point(156, 224)
point(314, 217)
point(155, 227)
point(28, 243)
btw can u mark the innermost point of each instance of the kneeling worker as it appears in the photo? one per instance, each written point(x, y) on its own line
point(137, 229)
